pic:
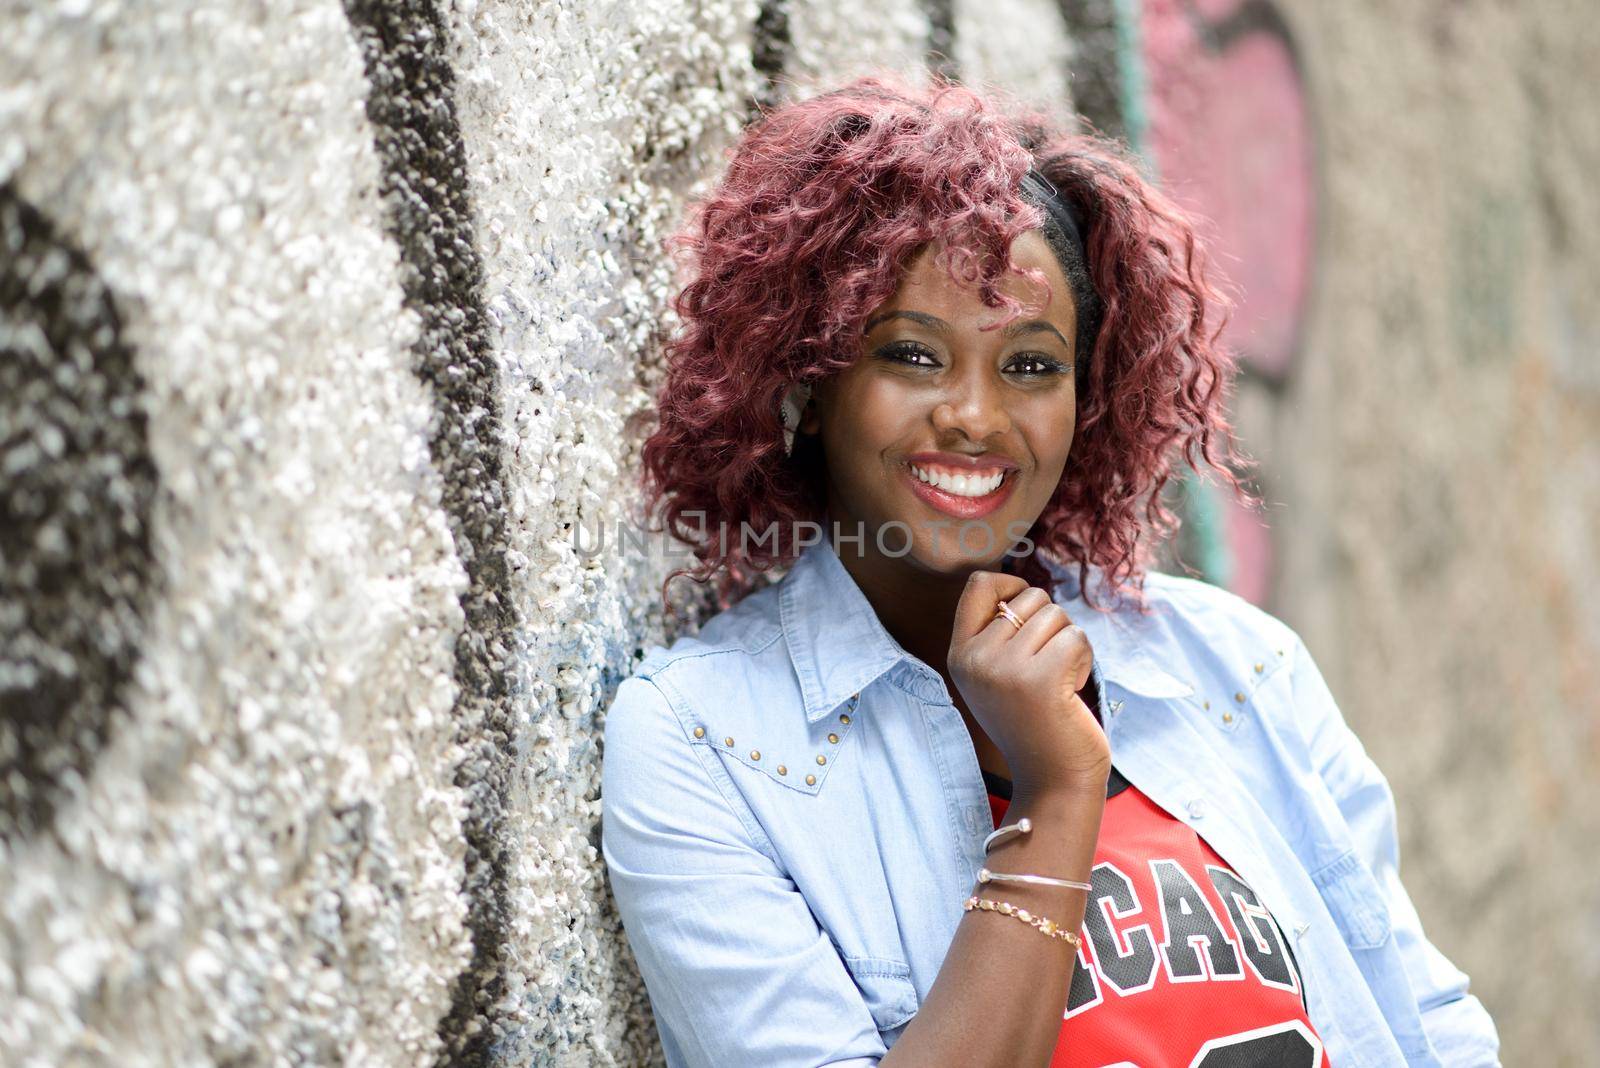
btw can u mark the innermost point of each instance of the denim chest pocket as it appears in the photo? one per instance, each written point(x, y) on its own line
point(1355, 899)
point(886, 986)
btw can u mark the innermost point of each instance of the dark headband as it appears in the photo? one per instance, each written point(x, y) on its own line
point(1066, 218)
point(1058, 209)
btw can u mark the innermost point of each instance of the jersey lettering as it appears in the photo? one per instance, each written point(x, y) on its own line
point(1125, 958)
point(1259, 935)
point(1190, 926)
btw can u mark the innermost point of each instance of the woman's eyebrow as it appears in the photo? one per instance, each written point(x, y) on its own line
point(1033, 326)
point(932, 321)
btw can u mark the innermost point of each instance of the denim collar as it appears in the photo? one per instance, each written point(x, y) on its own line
point(835, 640)
point(839, 647)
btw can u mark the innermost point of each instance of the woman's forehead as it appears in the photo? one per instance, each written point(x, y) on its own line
point(926, 281)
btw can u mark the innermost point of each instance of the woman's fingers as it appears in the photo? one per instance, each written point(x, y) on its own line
point(1024, 605)
point(1045, 623)
point(976, 609)
point(1072, 643)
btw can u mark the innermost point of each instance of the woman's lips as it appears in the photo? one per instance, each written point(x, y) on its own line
point(957, 506)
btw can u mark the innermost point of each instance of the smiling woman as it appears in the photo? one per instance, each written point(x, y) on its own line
point(992, 342)
point(848, 206)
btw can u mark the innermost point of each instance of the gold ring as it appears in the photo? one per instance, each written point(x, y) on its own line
point(1004, 610)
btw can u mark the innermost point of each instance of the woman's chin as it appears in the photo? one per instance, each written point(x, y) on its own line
point(944, 552)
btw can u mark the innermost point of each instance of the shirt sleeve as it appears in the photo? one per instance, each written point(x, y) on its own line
point(1458, 1026)
point(737, 969)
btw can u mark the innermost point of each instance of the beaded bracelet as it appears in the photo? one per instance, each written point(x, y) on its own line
point(1049, 928)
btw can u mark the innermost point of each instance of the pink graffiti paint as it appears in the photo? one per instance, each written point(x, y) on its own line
point(1230, 131)
point(1231, 134)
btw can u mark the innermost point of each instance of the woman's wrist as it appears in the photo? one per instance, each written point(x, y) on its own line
point(1063, 826)
point(1070, 791)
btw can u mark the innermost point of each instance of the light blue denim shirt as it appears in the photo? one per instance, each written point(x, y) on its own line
point(793, 814)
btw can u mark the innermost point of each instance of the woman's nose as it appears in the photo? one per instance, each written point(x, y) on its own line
point(974, 406)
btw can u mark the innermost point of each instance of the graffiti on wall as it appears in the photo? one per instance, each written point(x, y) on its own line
point(75, 499)
point(1230, 129)
point(411, 106)
point(286, 602)
point(1213, 94)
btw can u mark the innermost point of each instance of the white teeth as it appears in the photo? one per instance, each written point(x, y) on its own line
point(958, 484)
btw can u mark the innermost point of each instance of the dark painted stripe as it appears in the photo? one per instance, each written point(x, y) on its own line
point(941, 53)
point(78, 484)
point(405, 44)
point(769, 52)
point(1249, 18)
point(1096, 73)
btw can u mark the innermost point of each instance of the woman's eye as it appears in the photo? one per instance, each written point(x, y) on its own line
point(910, 352)
point(907, 352)
point(1033, 366)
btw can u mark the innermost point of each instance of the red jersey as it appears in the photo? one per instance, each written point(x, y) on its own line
point(1181, 965)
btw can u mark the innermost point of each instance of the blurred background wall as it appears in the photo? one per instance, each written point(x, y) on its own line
point(329, 333)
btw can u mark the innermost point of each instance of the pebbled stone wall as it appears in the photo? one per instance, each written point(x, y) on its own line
point(328, 331)
point(242, 837)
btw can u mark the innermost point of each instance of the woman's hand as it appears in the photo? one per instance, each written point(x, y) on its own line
point(1022, 685)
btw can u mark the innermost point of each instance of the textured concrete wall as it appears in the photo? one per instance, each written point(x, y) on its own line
point(1434, 462)
point(327, 327)
point(1422, 387)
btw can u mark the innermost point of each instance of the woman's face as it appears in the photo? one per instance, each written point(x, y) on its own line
point(957, 433)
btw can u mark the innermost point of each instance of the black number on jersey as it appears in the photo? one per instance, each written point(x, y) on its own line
point(1285, 1045)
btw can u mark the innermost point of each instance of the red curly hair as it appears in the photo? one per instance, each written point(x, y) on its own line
point(824, 202)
